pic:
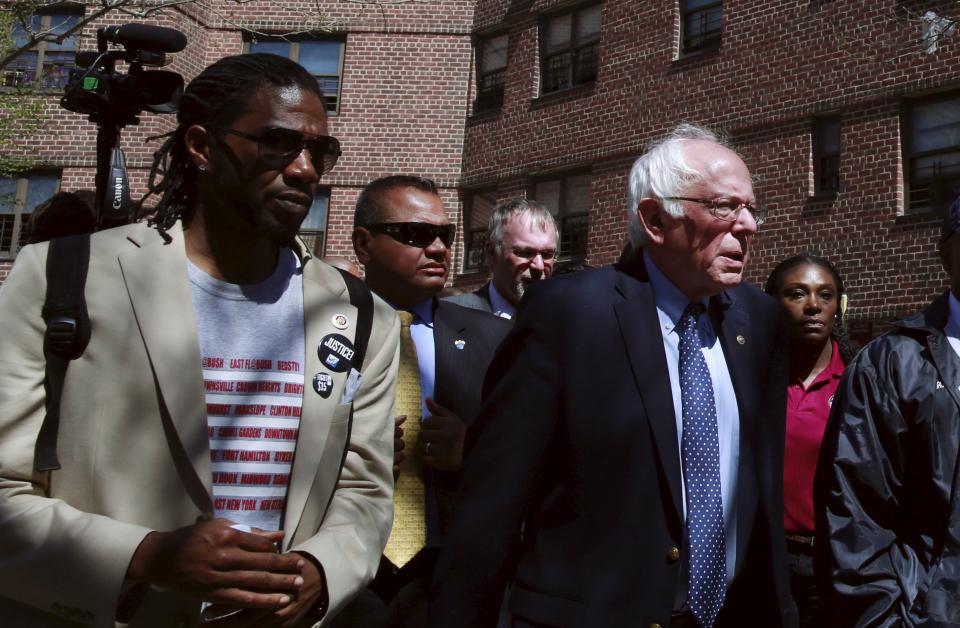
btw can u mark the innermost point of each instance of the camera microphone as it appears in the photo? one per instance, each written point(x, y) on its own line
point(146, 37)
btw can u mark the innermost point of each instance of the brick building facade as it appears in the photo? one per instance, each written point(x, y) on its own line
point(847, 117)
point(850, 127)
point(403, 74)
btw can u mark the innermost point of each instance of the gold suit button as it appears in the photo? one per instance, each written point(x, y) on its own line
point(655, 626)
point(674, 553)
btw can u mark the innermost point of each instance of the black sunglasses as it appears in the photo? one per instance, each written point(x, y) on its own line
point(418, 234)
point(277, 147)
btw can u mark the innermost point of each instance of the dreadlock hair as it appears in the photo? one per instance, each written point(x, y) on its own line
point(775, 281)
point(220, 94)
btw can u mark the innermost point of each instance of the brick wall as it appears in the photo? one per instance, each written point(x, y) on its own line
point(403, 95)
point(780, 65)
point(408, 88)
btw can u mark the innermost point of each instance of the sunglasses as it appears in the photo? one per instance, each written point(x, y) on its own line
point(277, 147)
point(418, 234)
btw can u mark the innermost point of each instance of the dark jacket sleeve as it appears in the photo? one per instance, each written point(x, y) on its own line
point(506, 447)
point(868, 578)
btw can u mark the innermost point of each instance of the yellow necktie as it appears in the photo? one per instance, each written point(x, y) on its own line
point(409, 522)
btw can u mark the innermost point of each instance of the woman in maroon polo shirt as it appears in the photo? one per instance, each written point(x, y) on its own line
point(813, 297)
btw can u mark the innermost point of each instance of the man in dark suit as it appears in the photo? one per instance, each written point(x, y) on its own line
point(520, 250)
point(402, 236)
point(625, 469)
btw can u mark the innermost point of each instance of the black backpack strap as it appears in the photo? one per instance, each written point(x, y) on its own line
point(362, 299)
point(67, 334)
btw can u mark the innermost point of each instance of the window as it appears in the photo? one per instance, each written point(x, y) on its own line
point(18, 197)
point(323, 58)
point(932, 153)
point(491, 72)
point(701, 23)
point(568, 199)
point(826, 156)
point(479, 207)
point(569, 45)
point(313, 231)
point(48, 64)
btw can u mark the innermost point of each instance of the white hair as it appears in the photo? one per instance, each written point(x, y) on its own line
point(662, 171)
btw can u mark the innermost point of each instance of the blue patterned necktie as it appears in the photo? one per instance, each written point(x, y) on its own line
point(701, 472)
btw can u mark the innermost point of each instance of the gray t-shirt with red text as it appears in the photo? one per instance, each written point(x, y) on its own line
point(252, 351)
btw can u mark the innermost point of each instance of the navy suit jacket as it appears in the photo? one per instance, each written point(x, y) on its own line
point(479, 299)
point(458, 383)
point(576, 447)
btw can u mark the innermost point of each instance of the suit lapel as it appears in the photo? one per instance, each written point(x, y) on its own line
point(322, 300)
point(733, 322)
point(640, 328)
point(443, 337)
point(484, 294)
point(734, 337)
point(159, 289)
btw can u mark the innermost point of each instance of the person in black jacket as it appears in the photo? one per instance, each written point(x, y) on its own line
point(403, 238)
point(887, 527)
point(587, 480)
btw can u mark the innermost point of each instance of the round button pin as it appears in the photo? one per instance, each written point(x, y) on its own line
point(741, 340)
point(335, 352)
point(340, 321)
point(323, 384)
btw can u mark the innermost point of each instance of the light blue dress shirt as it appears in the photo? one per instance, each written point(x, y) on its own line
point(500, 306)
point(421, 330)
point(671, 303)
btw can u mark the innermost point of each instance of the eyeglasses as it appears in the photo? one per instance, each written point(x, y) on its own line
point(418, 234)
point(529, 253)
point(277, 147)
point(724, 208)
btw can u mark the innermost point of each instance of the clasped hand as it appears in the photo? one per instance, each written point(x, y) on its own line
point(215, 563)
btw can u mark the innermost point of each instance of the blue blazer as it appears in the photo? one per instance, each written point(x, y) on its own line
point(464, 342)
point(571, 489)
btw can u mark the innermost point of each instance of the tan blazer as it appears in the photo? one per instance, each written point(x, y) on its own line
point(133, 438)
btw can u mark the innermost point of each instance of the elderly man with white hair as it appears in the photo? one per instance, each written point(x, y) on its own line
point(626, 468)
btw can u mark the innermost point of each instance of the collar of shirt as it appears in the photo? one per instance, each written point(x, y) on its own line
point(500, 306)
point(670, 301)
point(834, 370)
point(423, 312)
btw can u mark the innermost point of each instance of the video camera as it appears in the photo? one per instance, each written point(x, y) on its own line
point(113, 100)
point(97, 89)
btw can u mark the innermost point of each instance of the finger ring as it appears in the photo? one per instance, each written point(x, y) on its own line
point(426, 448)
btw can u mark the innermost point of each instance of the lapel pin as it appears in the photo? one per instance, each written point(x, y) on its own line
point(459, 344)
point(740, 339)
point(340, 321)
point(323, 384)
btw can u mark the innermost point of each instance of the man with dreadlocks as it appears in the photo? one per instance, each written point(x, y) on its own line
point(223, 459)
